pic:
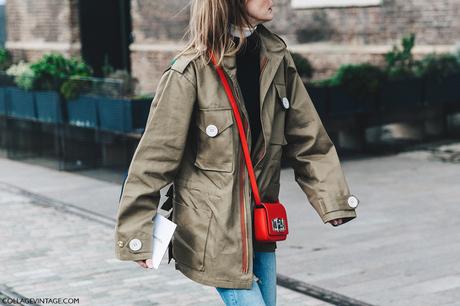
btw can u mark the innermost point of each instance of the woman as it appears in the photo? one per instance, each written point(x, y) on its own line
point(191, 139)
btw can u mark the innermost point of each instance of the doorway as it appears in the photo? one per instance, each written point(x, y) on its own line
point(105, 29)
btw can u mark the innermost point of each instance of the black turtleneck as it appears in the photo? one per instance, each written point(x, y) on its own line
point(248, 73)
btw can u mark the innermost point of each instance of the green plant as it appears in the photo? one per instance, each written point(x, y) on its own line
point(303, 65)
point(119, 83)
point(53, 69)
point(400, 62)
point(128, 82)
point(5, 59)
point(23, 75)
point(73, 87)
point(438, 66)
point(107, 69)
point(359, 80)
point(320, 83)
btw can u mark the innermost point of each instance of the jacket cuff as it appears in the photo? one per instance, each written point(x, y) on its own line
point(345, 215)
point(133, 257)
point(135, 247)
point(342, 206)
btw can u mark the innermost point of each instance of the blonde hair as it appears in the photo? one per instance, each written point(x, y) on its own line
point(208, 28)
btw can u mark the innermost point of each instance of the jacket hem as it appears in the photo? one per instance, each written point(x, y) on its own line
point(201, 278)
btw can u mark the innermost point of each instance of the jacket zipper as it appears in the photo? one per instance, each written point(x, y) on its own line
point(244, 234)
point(245, 256)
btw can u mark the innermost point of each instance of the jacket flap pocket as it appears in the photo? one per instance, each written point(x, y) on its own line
point(212, 122)
point(281, 90)
point(282, 98)
point(191, 235)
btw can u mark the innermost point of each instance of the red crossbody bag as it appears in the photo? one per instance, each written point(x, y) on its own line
point(270, 219)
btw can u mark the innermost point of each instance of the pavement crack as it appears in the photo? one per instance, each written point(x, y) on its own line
point(322, 294)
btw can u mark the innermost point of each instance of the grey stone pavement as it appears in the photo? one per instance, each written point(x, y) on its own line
point(56, 237)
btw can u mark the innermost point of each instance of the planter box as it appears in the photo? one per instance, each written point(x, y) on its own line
point(115, 114)
point(7, 80)
point(320, 98)
point(123, 116)
point(3, 109)
point(82, 111)
point(446, 91)
point(21, 104)
point(118, 115)
point(342, 103)
point(49, 107)
point(400, 95)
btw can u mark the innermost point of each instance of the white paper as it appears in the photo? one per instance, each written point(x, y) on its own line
point(162, 234)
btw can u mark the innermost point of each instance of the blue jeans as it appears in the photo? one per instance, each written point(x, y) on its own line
point(263, 291)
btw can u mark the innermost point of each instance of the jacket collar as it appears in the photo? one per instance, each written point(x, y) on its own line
point(271, 55)
point(271, 47)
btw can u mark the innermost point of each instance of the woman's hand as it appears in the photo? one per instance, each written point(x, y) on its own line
point(146, 263)
point(336, 222)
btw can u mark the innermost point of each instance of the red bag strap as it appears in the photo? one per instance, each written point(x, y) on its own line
point(244, 143)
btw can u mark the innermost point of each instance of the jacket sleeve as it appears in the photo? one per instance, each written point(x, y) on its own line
point(154, 164)
point(312, 154)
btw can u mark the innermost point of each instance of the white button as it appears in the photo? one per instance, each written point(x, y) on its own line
point(352, 201)
point(211, 130)
point(285, 102)
point(135, 244)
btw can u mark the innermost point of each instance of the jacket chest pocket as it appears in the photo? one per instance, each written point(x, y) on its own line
point(215, 140)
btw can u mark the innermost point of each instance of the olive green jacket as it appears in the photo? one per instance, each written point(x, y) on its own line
point(191, 139)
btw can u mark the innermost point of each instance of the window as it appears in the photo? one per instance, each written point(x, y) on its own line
point(332, 3)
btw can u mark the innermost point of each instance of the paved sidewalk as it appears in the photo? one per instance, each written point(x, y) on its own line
point(49, 251)
point(401, 250)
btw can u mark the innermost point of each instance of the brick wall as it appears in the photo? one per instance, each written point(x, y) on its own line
point(330, 37)
point(327, 36)
point(148, 65)
point(158, 27)
point(434, 22)
point(38, 26)
point(159, 21)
